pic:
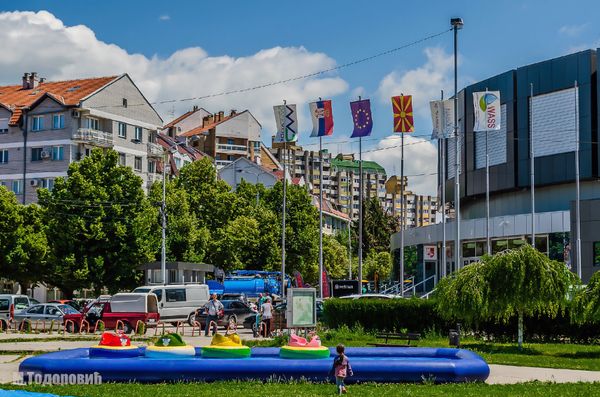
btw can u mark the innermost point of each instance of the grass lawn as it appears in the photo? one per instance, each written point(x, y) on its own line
point(549, 355)
point(250, 389)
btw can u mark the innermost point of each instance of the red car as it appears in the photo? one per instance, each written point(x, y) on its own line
point(128, 308)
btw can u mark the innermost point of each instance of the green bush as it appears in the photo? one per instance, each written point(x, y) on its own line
point(393, 315)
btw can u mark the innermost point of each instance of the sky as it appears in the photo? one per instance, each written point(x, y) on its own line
point(188, 49)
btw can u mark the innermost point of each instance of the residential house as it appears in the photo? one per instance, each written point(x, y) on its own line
point(44, 126)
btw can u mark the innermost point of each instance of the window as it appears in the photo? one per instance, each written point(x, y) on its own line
point(3, 156)
point(36, 153)
point(57, 153)
point(122, 130)
point(230, 141)
point(151, 167)
point(124, 102)
point(596, 253)
point(158, 293)
point(21, 303)
point(58, 121)
point(138, 134)
point(17, 186)
point(137, 165)
point(52, 311)
point(37, 123)
point(4, 305)
point(3, 126)
point(37, 309)
point(93, 124)
point(175, 295)
point(48, 183)
point(122, 159)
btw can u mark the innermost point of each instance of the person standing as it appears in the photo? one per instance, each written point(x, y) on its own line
point(212, 308)
point(267, 314)
point(341, 368)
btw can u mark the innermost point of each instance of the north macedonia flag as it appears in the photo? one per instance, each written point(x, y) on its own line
point(403, 113)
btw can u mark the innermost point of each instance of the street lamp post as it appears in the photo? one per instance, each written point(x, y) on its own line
point(457, 23)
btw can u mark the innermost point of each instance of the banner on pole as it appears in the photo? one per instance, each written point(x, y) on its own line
point(286, 121)
point(486, 106)
point(403, 113)
point(442, 118)
point(322, 118)
point(362, 118)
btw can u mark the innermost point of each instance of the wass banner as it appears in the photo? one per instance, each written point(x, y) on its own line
point(486, 106)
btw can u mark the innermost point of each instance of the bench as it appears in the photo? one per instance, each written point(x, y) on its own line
point(408, 337)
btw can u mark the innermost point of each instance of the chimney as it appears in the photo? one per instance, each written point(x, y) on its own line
point(206, 120)
point(25, 81)
point(232, 113)
point(33, 80)
point(221, 115)
point(195, 108)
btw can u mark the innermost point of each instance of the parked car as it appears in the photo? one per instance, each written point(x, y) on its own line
point(9, 305)
point(235, 311)
point(129, 308)
point(45, 312)
point(369, 296)
point(178, 302)
point(71, 302)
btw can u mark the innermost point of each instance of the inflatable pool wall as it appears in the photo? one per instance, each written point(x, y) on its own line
point(387, 365)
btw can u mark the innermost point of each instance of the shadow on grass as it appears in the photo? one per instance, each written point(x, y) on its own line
point(576, 355)
point(501, 349)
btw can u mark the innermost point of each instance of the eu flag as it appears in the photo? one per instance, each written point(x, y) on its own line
point(361, 115)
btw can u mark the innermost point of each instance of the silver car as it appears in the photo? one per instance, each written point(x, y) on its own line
point(45, 312)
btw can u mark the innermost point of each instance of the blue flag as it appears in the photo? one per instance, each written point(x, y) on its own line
point(361, 115)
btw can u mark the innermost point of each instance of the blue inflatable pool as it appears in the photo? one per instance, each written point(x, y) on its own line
point(376, 364)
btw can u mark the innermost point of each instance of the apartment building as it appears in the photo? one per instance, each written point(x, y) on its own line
point(306, 164)
point(420, 210)
point(346, 183)
point(186, 122)
point(44, 126)
point(226, 138)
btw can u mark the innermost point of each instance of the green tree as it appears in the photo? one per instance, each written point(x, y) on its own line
point(98, 225)
point(236, 245)
point(378, 262)
point(335, 258)
point(23, 245)
point(520, 282)
point(378, 226)
point(586, 302)
point(185, 240)
point(302, 229)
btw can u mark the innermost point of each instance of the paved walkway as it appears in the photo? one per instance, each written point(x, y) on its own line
point(507, 374)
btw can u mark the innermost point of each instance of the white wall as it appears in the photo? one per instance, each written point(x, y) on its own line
point(242, 126)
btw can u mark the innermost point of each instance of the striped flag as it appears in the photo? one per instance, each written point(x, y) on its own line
point(403, 113)
point(322, 118)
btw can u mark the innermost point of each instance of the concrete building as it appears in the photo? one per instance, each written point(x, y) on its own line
point(555, 118)
point(334, 221)
point(420, 210)
point(226, 138)
point(44, 126)
point(306, 164)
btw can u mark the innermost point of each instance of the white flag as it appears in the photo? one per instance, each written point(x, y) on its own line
point(442, 118)
point(286, 121)
point(486, 107)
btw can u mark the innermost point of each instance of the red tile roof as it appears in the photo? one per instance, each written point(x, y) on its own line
point(68, 93)
point(329, 208)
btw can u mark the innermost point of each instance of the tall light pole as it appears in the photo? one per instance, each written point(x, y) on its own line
point(457, 23)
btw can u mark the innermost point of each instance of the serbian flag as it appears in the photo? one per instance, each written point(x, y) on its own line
point(361, 115)
point(322, 118)
point(403, 113)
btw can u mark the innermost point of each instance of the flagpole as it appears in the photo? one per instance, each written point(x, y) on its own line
point(402, 214)
point(442, 145)
point(283, 216)
point(578, 193)
point(532, 166)
point(360, 217)
point(487, 191)
point(349, 191)
point(321, 217)
point(456, 23)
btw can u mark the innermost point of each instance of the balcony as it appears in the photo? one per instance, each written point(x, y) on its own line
point(93, 137)
point(222, 163)
point(237, 149)
point(155, 150)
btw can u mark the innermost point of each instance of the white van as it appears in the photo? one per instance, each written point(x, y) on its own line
point(9, 304)
point(178, 302)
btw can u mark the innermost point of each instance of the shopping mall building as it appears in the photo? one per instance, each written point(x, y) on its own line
point(555, 113)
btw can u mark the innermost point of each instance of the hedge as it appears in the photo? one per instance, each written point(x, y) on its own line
point(420, 315)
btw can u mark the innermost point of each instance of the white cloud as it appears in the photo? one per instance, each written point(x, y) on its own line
point(41, 42)
point(420, 161)
point(572, 30)
point(423, 83)
point(164, 18)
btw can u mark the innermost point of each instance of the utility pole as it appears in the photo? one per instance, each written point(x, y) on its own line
point(457, 23)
